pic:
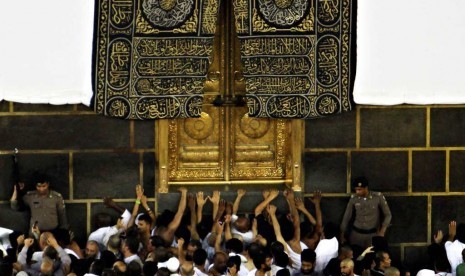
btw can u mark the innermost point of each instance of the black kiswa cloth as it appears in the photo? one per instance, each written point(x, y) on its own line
point(151, 57)
point(298, 56)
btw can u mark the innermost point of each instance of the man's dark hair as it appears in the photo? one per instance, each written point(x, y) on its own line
point(379, 257)
point(460, 233)
point(163, 271)
point(217, 255)
point(234, 260)
point(258, 260)
point(281, 259)
point(81, 266)
point(441, 264)
point(308, 255)
point(345, 249)
point(132, 231)
point(204, 227)
point(38, 177)
point(102, 220)
point(62, 236)
point(146, 218)
point(306, 230)
point(132, 243)
point(195, 243)
point(134, 269)
point(283, 272)
point(10, 255)
point(234, 245)
point(161, 254)
point(200, 256)
point(150, 268)
point(331, 230)
point(108, 258)
point(96, 267)
point(6, 269)
point(276, 247)
point(51, 252)
point(183, 232)
point(165, 218)
point(157, 241)
point(114, 241)
point(253, 249)
point(108, 272)
point(13, 239)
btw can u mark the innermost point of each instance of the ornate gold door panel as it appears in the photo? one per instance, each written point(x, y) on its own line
point(225, 146)
point(258, 147)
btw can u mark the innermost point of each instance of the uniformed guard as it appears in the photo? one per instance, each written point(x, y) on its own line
point(47, 206)
point(367, 208)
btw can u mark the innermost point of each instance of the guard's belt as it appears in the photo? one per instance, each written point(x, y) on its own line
point(364, 231)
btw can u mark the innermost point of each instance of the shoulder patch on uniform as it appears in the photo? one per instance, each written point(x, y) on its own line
point(55, 194)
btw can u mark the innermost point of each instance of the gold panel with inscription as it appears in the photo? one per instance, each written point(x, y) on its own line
point(258, 147)
point(224, 146)
point(196, 147)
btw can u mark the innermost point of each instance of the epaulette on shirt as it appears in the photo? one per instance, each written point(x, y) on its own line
point(352, 196)
point(31, 192)
point(53, 193)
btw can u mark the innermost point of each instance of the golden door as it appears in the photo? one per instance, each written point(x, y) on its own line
point(225, 146)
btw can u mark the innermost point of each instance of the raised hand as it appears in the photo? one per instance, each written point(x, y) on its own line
point(289, 194)
point(180, 243)
point(222, 206)
point(28, 242)
point(299, 204)
point(438, 237)
point(266, 193)
point(52, 242)
point(108, 202)
point(200, 199)
point(229, 208)
point(241, 192)
point(274, 193)
point(369, 249)
point(191, 201)
point(21, 186)
point(35, 230)
point(271, 210)
point(120, 224)
point(20, 239)
point(143, 200)
point(139, 191)
point(215, 198)
point(452, 228)
point(316, 199)
point(227, 219)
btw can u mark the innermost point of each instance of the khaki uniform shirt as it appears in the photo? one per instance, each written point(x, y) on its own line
point(48, 211)
point(368, 211)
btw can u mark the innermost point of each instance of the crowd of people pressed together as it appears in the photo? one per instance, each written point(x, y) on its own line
point(221, 242)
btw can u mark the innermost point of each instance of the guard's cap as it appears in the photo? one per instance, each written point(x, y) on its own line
point(360, 182)
point(38, 177)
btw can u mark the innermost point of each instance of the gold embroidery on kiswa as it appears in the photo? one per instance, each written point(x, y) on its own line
point(152, 57)
point(295, 66)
